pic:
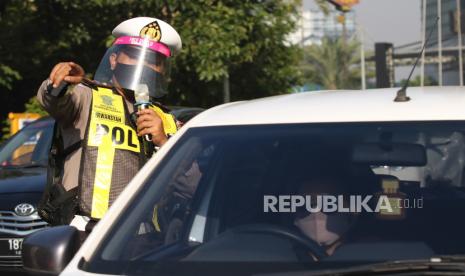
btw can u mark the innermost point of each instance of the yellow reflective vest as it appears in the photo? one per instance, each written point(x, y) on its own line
point(112, 152)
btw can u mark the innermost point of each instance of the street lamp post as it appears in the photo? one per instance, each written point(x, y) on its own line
point(423, 37)
point(226, 91)
point(439, 2)
point(362, 56)
point(459, 30)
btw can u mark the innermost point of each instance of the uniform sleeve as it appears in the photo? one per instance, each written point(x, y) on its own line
point(67, 108)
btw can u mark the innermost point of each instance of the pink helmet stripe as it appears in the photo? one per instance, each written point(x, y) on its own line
point(139, 41)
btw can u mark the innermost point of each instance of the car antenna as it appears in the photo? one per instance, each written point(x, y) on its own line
point(402, 93)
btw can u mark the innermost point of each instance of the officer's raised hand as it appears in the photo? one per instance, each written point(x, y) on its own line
point(148, 122)
point(69, 72)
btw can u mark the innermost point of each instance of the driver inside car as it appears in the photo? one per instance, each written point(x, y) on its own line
point(328, 229)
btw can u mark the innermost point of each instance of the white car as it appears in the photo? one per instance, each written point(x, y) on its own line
point(224, 195)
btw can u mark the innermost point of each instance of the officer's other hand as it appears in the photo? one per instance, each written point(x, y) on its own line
point(148, 122)
point(67, 71)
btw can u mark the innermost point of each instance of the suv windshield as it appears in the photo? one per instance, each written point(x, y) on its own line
point(307, 194)
point(29, 147)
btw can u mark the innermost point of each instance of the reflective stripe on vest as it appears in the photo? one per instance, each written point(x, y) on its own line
point(107, 131)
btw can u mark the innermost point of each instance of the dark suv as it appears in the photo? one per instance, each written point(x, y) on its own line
point(23, 162)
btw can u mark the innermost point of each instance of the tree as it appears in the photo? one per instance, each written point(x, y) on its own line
point(244, 40)
point(323, 5)
point(333, 64)
point(8, 76)
point(33, 106)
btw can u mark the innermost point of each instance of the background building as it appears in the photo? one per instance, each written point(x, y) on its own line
point(313, 25)
point(449, 33)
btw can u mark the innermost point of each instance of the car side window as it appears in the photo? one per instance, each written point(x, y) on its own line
point(161, 222)
point(30, 146)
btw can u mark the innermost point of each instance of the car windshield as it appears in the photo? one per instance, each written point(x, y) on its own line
point(29, 147)
point(309, 195)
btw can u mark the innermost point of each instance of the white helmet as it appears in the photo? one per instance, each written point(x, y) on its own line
point(139, 58)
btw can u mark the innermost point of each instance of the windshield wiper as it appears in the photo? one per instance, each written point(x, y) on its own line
point(434, 266)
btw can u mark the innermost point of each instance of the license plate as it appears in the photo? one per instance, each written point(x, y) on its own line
point(10, 247)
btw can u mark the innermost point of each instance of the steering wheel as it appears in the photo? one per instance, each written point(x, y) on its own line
point(317, 250)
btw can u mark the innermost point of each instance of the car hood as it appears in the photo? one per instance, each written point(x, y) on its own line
point(23, 180)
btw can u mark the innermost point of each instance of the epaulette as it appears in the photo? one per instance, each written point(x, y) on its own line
point(89, 83)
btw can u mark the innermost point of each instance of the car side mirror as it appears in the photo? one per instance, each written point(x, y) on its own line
point(48, 251)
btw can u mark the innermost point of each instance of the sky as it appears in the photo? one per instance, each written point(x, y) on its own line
point(394, 21)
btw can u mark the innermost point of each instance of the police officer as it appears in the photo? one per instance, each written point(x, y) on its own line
point(102, 132)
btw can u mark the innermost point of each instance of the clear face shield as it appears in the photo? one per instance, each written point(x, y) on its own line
point(135, 64)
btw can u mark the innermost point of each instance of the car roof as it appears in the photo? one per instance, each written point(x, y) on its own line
point(426, 104)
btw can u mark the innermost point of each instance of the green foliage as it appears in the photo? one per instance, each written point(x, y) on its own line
point(5, 130)
point(334, 64)
point(244, 40)
point(8, 76)
point(33, 106)
point(417, 81)
point(323, 5)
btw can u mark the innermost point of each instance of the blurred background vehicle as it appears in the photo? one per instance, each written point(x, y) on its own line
point(23, 163)
point(184, 114)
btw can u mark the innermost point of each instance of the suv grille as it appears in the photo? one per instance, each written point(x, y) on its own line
point(11, 262)
point(20, 225)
